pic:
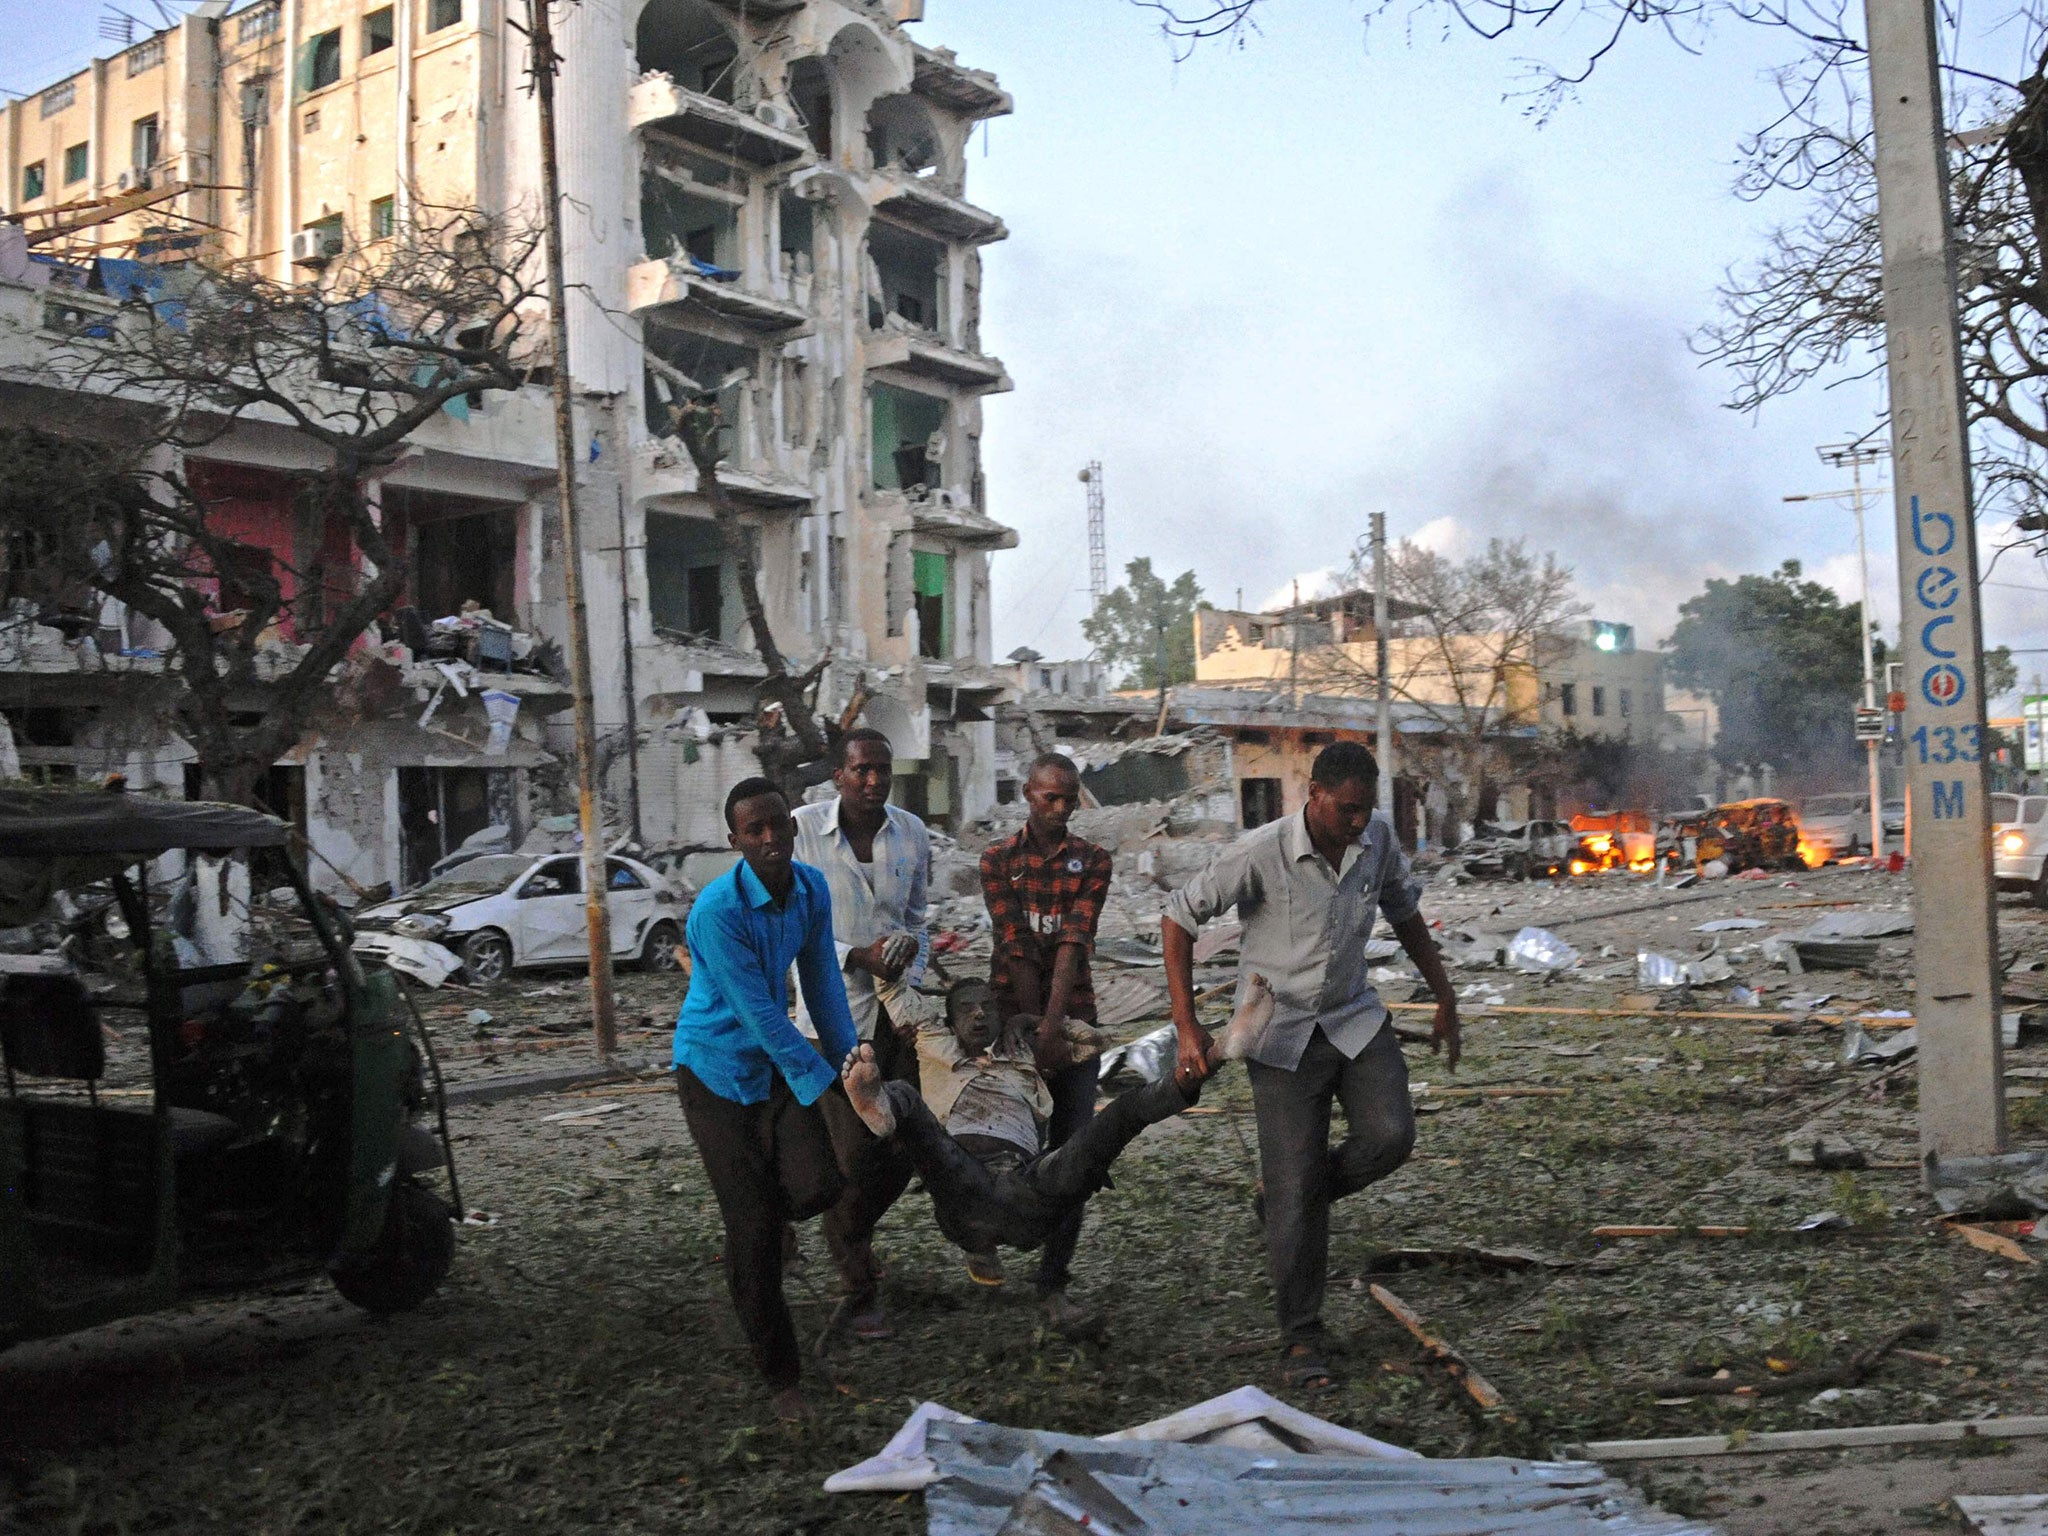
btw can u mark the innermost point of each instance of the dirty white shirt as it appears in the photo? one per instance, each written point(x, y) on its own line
point(869, 900)
point(998, 1093)
point(1305, 928)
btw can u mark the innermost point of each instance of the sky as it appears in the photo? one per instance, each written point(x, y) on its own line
point(1278, 286)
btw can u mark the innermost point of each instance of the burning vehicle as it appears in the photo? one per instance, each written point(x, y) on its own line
point(1744, 834)
point(1613, 840)
point(1516, 850)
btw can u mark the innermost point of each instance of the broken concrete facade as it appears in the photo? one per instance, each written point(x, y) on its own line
point(768, 201)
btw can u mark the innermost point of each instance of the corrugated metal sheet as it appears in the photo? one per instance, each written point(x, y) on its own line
point(1165, 1489)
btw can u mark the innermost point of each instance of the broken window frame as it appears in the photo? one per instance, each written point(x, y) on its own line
point(886, 466)
point(319, 62)
point(442, 14)
point(931, 585)
point(665, 27)
point(33, 180)
point(380, 31)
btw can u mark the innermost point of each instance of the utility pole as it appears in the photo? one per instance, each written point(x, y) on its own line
point(1098, 537)
point(1853, 456)
point(1385, 722)
point(1962, 1068)
point(632, 701)
point(1294, 650)
point(603, 1004)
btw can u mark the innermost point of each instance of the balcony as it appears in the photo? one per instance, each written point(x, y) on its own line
point(945, 517)
point(973, 93)
point(657, 101)
point(666, 471)
point(677, 283)
point(916, 202)
point(923, 354)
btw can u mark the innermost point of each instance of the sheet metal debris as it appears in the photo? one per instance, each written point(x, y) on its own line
point(2008, 1187)
point(986, 1471)
point(1538, 950)
point(1858, 925)
point(2004, 1514)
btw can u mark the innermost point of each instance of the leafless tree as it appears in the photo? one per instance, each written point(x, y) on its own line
point(794, 742)
point(1810, 309)
point(353, 365)
point(1470, 663)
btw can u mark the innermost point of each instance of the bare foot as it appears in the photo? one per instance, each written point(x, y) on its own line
point(1254, 1012)
point(790, 1406)
point(863, 1080)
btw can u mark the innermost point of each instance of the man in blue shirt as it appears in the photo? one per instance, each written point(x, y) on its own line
point(749, 1081)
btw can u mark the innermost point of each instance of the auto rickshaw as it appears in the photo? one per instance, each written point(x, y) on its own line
point(264, 1123)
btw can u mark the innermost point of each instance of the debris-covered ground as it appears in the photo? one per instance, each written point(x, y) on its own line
point(581, 1369)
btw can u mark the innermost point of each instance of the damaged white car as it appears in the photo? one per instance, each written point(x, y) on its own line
point(504, 911)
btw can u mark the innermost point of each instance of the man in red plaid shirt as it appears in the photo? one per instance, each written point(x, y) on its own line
point(1044, 890)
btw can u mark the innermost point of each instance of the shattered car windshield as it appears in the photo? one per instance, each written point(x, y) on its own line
point(485, 874)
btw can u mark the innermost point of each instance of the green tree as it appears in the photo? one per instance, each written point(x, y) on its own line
point(1782, 659)
point(1144, 620)
point(2001, 676)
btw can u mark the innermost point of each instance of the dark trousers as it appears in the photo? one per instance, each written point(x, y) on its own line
point(1303, 1173)
point(1073, 1105)
point(769, 1163)
point(877, 1172)
point(1022, 1206)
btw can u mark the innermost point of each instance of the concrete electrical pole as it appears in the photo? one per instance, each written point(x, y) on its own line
point(1962, 1099)
point(1385, 722)
point(603, 1003)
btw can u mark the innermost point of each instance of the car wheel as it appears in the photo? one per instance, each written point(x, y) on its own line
point(1514, 867)
point(658, 953)
point(411, 1257)
point(487, 956)
point(2038, 892)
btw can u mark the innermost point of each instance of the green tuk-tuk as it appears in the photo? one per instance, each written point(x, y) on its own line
point(264, 1122)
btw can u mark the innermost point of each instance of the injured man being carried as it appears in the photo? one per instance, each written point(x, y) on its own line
point(976, 1132)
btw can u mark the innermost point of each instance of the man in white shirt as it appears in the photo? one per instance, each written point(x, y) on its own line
point(876, 858)
point(1309, 888)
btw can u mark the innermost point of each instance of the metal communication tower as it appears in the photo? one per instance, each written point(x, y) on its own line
point(1098, 542)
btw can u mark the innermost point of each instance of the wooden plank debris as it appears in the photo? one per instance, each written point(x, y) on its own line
point(1990, 1242)
point(1482, 1391)
point(1692, 1447)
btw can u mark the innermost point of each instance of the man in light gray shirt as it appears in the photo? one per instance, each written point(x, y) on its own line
point(876, 858)
point(1309, 888)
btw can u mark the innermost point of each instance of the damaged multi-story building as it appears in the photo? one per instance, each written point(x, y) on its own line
point(765, 200)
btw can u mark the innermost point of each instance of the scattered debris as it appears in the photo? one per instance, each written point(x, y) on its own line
point(1730, 925)
point(1481, 1391)
point(572, 1116)
point(1743, 1443)
point(1794, 1383)
point(1990, 1242)
point(1538, 950)
point(2012, 1185)
point(1806, 1148)
point(1394, 1260)
point(994, 1479)
point(2007, 1514)
point(426, 962)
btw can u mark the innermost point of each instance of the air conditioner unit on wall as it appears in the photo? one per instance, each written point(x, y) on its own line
point(315, 247)
point(138, 180)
